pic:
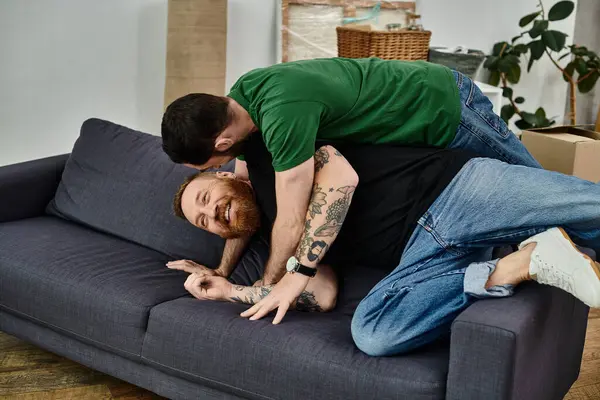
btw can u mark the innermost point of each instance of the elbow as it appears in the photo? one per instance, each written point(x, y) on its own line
point(329, 303)
point(344, 172)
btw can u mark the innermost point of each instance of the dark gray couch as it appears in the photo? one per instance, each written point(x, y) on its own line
point(83, 244)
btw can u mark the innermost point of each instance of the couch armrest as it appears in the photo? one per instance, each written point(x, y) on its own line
point(528, 346)
point(26, 188)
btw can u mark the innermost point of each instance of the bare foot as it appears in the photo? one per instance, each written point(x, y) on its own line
point(512, 269)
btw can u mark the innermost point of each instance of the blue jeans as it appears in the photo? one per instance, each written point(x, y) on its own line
point(482, 131)
point(448, 258)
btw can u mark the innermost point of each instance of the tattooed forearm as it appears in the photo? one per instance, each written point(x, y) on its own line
point(321, 158)
point(317, 200)
point(336, 213)
point(253, 294)
point(305, 241)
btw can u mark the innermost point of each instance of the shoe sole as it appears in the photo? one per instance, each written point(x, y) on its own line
point(595, 266)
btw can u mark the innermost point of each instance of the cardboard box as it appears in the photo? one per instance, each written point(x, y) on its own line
point(567, 149)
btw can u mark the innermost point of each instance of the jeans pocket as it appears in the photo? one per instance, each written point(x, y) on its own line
point(482, 113)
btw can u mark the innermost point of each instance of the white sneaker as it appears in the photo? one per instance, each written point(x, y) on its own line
point(556, 261)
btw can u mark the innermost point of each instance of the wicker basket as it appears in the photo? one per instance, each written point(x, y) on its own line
point(395, 45)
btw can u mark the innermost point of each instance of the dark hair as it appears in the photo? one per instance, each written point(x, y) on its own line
point(190, 127)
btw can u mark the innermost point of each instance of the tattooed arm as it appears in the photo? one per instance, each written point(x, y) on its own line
point(320, 293)
point(334, 185)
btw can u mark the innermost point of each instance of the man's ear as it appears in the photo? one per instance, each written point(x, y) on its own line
point(223, 144)
point(226, 175)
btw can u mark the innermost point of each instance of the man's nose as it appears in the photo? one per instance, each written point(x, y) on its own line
point(209, 211)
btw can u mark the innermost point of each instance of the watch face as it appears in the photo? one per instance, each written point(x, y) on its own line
point(291, 264)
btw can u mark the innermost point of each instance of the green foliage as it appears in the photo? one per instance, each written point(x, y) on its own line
point(505, 61)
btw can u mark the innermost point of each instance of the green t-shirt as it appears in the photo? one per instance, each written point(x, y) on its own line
point(357, 100)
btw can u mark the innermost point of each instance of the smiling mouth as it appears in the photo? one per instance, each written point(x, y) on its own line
point(228, 213)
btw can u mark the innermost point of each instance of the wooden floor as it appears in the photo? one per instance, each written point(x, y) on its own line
point(29, 373)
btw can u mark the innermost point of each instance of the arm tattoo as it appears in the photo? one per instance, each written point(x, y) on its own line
point(305, 241)
point(321, 158)
point(305, 302)
point(336, 213)
point(254, 295)
point(317, 200)
point(337, 153)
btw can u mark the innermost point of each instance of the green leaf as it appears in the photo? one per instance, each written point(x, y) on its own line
point(491, 62)
point(507, 92)
point(569, 69)
point(514, 74)
point(539, 26)
point(588, 83)
point(540, 113)
point(505, 65)
point(563, 56)
point(516, 38)
point(526, 20)
point(581, 66)
point(537, 49)
point(561, 10)
point(530, 63)
point(591, 54)
point(498, 48)
point(554, 40)
point(522, 124)
point(578, 50)
point(494, 78)
point(507, 112)
point(519, 100)
point(521, 48)
point(529, 118)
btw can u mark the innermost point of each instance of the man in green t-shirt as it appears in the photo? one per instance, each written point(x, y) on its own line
point(354, 100)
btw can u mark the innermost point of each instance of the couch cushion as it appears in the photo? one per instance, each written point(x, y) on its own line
point(96, 287)
point(308, 356)
point(120, 181)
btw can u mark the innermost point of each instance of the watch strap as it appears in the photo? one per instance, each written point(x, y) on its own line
point(304, 270)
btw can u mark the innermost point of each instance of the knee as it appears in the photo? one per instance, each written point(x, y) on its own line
point(373, 339)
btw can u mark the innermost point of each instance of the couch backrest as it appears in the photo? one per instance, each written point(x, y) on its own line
point(120, 181)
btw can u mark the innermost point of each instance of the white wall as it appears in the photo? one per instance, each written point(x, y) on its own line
point(63, 61)
point(481, 23)
point(251, 37)
point(473, 23)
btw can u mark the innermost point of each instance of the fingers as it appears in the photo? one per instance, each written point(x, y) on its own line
point(283, 308)
point(264, 310)
point(189, 266)
point(193, 284)
point(252, 310)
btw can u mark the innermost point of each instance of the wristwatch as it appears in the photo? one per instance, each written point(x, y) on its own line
point(293, 266)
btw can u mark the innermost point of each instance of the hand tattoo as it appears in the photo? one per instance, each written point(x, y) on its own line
point(336, 213)
point(321, 158)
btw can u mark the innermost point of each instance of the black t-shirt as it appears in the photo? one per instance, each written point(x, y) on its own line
point(396, 186)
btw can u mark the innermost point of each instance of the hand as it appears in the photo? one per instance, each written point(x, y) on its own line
point(206, 287)
point(282, 296)
point(191, 267)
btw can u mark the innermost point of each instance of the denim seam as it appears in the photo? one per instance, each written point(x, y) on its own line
point(524, 232)
point(445, 245)
point(490, 144)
